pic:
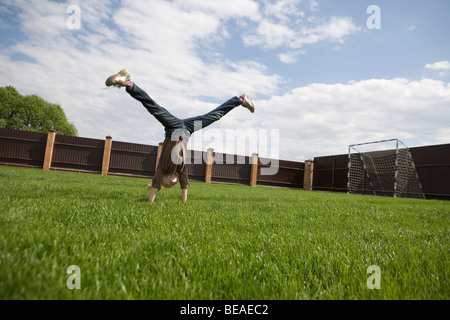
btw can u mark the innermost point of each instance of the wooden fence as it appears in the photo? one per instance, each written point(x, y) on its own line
point(50, 151)
point(108, 157)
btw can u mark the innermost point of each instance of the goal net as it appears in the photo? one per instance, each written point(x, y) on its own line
point(383, 168)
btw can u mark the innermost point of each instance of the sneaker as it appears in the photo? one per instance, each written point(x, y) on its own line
point(119, 79)
point(247, 103)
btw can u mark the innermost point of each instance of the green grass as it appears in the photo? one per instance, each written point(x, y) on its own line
point(227, 242)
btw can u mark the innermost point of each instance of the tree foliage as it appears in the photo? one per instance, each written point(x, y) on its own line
point(32, 113)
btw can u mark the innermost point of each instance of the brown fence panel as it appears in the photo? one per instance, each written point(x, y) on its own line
point(289, 174)
point(133, 159)
point(22, 148)
point(228, 168)
point(195, 165)
point(433, 167)
point(330, 173)
point(78, 154)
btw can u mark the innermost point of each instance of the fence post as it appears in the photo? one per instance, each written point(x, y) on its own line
point(49, 150)
point(208, 170)
point(254, 170)
point(106, 155)
point(308, 175)
point(159, 154)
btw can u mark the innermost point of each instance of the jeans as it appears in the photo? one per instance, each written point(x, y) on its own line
point(182, 127)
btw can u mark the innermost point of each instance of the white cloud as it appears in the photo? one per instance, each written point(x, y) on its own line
point(271, 35)
point(313, 5)
point(290, 57)
point(284, 11)
point(283, 23)
point(239, 9)
point(439, 66)
point(337, 29)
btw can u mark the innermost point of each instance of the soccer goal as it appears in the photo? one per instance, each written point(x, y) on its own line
point(383, 168)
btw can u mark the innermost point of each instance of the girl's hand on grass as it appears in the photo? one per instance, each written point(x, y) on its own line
point(151, 197)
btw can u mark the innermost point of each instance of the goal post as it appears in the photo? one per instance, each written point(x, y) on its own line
point(385, 168)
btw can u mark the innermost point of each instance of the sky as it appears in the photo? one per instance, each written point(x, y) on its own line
point(323, 74)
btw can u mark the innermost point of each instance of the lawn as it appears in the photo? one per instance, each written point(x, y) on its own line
point(226, 242)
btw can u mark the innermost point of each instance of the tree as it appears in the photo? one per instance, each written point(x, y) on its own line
point(32, 113)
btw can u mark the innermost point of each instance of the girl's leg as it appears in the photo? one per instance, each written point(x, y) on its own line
point(169, 121)
point(197, 123)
